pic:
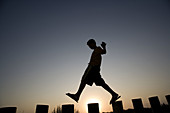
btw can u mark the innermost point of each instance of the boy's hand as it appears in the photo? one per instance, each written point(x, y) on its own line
point(103, 44)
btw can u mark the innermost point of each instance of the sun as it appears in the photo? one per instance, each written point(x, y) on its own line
point(93, 100)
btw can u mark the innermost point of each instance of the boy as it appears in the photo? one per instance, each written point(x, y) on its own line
point(92, 73)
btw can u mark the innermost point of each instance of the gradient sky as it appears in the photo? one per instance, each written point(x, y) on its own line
point(43, 51)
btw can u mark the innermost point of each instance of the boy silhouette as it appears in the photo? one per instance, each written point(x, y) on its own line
point(92, 72)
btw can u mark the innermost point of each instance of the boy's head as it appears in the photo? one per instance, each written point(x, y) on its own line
point(91, 43)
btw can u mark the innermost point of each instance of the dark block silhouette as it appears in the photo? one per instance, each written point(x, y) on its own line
point(8, 110)
point(155, 104)
point(168, 99)
point(69, 108)
point(93, 108)
point(42, 109)
point(138, 105)
point(117, 107)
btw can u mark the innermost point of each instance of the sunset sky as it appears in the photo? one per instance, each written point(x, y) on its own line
point(43, 51)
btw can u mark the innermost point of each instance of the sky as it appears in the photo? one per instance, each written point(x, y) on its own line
point(43, 51)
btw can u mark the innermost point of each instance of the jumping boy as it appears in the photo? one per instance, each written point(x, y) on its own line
point(92, 73)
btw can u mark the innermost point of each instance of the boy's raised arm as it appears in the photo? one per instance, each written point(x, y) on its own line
point(104, 47)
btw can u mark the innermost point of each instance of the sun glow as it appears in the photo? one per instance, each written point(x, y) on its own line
point(93, 100)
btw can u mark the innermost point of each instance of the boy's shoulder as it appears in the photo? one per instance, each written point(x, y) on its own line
point(98, 49)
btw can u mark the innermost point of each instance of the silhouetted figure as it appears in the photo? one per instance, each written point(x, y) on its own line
point(92, 73)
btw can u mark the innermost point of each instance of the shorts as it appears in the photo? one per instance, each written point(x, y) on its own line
point(92, 75)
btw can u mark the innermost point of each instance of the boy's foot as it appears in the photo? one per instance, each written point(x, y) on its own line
point(73, 96)
point(114, 98)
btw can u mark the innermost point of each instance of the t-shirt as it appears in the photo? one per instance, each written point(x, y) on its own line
point(96, 57)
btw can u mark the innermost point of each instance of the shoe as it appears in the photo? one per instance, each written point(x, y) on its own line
point(73, 96)
point(114, 98)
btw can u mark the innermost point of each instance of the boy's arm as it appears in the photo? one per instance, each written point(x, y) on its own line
point(104, 47)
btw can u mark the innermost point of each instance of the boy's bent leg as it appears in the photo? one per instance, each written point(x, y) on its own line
point(107, 88)
point(100, 82)
point(115, 96)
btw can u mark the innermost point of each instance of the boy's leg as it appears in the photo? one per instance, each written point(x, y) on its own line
point(107, 88)
point(81, 88)
point(115, 96)
point(101, 82)
point(82, 85)
point(77, 95)
point(83, 81)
